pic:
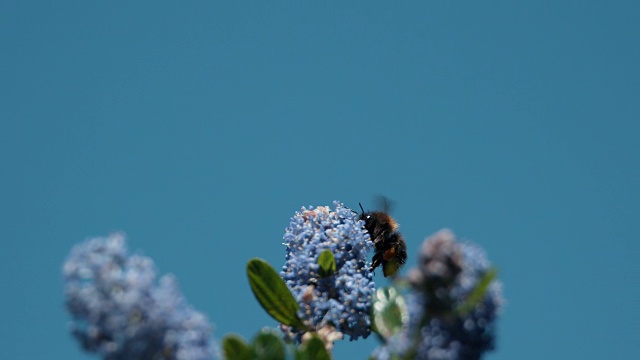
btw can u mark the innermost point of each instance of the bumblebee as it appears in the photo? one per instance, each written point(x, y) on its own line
point(390, 247)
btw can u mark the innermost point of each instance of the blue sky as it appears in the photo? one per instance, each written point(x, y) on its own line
point(200, 129)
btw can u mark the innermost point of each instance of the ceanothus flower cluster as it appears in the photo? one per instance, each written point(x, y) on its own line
point(121, 313)
point(343, 299)
point(439, 329)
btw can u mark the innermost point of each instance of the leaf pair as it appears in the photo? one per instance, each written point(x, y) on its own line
point(267, 345)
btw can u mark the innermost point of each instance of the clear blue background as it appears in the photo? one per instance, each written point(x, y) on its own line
point(200, 129)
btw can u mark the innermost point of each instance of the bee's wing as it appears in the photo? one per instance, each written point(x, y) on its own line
point(384, 203)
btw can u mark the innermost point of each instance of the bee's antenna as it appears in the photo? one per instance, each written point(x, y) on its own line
point(361, 207)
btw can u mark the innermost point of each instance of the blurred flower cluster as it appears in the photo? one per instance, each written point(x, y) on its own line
point(121, 313)
point(341, 300)
point(452, 306)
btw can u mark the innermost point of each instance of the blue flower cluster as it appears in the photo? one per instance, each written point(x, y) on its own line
point(342, 300)
point(447, 273)
point(122, 314)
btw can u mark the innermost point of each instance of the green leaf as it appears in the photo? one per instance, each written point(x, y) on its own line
point(268, 346)
point(389, 312)
point(313, 349)
point(272, 293)
point(235, 348)
point(476, 296)
point(327, 264)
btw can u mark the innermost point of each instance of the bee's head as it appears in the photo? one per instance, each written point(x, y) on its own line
point(365, 215)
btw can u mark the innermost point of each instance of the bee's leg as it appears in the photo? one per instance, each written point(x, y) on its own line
point(376, 261)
